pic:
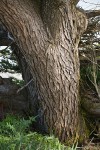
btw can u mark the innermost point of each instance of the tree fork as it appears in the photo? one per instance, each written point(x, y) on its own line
point(49, 44)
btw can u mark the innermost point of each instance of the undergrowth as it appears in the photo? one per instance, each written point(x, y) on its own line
point(15, 135)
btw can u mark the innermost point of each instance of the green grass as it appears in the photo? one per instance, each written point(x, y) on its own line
point(15, 135)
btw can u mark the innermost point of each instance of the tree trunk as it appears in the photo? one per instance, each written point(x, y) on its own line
point(30, 81)
point(48, 34)
point(31, 89)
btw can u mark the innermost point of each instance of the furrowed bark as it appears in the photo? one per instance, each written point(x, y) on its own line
point(50, 47)
point(28, 31)
point(32, 91)
point(65, 24)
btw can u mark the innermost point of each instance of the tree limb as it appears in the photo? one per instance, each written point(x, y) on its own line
point(75, 2)
point(92, 13)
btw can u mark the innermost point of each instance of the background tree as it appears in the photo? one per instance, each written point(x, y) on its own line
point(90, 65)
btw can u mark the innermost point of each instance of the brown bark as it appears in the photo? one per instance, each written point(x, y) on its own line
point(32, 91)
point(49, 43)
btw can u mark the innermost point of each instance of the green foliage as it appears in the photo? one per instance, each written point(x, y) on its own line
point(8, 61)
point(15, 135)
point(18, 82)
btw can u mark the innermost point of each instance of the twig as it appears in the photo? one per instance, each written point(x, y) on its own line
point(91, 141)
point(20, 89)
point(90, 59)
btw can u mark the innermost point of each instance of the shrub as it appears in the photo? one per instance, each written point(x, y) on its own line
point(15, 135)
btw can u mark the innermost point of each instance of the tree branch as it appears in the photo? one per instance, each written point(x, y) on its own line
point(92, 13)
point(75, 2)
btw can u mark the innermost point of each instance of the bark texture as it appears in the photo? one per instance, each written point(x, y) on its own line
point(30, 81)
point(48, 34)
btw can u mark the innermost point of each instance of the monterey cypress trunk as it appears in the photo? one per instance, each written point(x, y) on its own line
point(48, 34)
